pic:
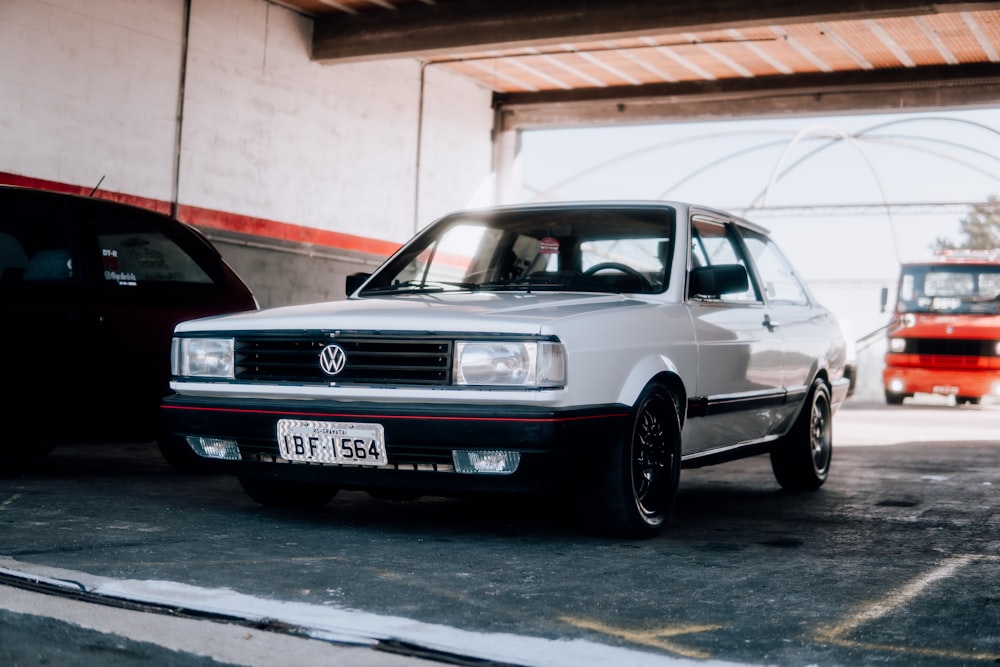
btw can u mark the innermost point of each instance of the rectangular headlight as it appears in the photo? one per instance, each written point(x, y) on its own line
point(510, 363)
point(203, 357)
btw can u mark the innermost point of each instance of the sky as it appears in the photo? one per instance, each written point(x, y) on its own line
point(756, 167)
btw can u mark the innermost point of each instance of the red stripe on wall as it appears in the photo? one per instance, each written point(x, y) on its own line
point(244, 224)
point(232, 222)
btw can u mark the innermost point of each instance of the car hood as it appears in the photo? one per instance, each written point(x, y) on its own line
point(509, 312)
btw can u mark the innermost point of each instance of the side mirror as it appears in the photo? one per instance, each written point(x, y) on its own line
point(354, 281)
point(719, 279)
point(884, 300)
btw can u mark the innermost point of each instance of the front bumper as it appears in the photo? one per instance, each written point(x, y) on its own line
point(947, 381)
point(557, 446)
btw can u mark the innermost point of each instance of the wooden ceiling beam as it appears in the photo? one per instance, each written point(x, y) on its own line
point(454, 27)
point(905, 89)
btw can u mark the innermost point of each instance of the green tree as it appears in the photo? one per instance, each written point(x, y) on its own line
point(980, 229)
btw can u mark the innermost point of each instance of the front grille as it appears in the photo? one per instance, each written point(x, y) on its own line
point(949, 361)
point(295, 359)
point(958, 347)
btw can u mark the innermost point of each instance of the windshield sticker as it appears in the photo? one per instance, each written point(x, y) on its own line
point(112, 269)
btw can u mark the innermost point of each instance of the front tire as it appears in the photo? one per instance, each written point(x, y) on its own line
point(176, 452)
point(282, 494)
point(895, 398)
point(636, 488)
point(801, 459)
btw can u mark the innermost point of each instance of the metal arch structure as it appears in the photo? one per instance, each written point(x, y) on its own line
point(960, 155)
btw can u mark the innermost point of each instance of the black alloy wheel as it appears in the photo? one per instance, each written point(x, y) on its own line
point(636, 495)
point(801, 460)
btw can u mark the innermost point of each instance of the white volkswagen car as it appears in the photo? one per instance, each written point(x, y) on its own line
point(592, 349)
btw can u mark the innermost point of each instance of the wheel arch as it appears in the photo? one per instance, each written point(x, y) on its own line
point(654, 370)
point(818, 372)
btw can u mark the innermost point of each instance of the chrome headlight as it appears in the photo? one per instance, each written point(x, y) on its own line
point(510, 363)
point(203, 357)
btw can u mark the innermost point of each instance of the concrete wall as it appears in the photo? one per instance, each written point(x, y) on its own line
point(301, 173)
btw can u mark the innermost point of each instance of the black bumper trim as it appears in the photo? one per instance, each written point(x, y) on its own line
point(557, 445)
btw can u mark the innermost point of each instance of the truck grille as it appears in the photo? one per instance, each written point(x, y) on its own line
point(385, 359)
point(960, 347)
point(949, 353)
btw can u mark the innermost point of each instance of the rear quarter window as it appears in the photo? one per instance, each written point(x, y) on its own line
point(147, 256)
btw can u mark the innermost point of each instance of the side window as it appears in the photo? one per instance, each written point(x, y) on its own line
point(781, 285)
point(35, 245)
point(135, 252)
point(714, 243)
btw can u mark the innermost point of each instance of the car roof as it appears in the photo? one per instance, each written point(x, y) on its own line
point(92, 200)
point(610, 204)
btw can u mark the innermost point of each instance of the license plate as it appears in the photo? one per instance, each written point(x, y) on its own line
point(945, 390)
point(332, 442)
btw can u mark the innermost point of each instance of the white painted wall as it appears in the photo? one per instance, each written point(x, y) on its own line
point(90, 88)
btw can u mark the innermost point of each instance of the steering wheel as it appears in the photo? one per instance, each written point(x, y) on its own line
point(621, 268)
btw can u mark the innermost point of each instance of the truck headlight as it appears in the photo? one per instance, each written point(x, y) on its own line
point(203, 357)
point(897, 345)
point(510, 363)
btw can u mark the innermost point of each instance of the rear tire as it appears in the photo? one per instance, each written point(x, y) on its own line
point(801, 459)
point(282, 494)
point(636, 487)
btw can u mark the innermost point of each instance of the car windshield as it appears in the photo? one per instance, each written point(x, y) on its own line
point(617, 250)
point(949, 289)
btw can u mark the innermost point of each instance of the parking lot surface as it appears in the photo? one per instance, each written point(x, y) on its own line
point(894, 561)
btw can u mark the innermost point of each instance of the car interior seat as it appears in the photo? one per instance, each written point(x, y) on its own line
point(51, 264)
point(12, 257)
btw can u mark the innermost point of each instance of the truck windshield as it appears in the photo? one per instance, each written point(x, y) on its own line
point(949, 289)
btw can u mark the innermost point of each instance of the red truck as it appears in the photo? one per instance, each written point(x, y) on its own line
point(944, 337)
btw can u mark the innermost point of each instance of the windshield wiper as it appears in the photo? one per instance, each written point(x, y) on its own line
point(571, 283)
point(420, 286)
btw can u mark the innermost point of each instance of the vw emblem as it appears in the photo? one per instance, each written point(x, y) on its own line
point(332, 359)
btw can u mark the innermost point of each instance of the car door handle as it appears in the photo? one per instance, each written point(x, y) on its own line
point(769, 323)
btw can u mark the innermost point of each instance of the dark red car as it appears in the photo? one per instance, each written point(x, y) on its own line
point(90, 291)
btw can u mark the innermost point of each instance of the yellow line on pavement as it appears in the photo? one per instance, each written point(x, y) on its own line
point(4, 504)
point(657, 638)
point(838, 634)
